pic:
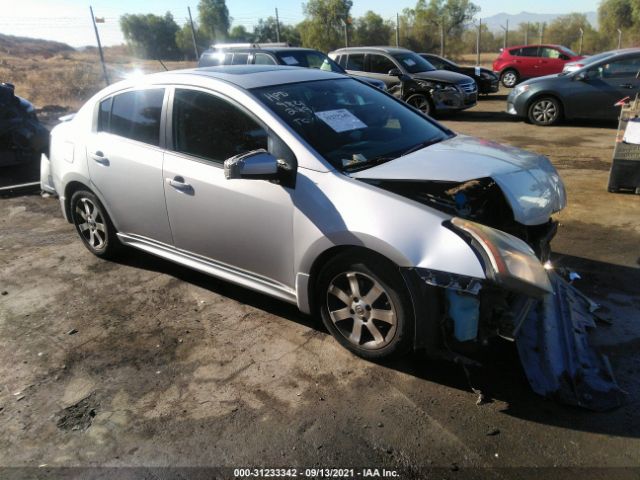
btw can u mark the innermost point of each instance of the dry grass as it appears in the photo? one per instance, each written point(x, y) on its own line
point(69, 78)
point(486, 59)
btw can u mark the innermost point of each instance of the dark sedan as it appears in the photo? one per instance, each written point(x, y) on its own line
point(588, 93)
point(488, 82)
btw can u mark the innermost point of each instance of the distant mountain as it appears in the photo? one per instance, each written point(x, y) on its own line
point(494, 22)
point(31, 46)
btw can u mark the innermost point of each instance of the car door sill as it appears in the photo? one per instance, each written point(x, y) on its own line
point(210, 267)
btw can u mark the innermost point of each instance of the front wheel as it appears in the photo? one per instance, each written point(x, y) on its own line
point(421, 102)
point(93, 225)
point(544, 111)
point(365, 305)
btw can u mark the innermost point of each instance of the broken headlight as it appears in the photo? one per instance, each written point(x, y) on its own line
point(509, 261)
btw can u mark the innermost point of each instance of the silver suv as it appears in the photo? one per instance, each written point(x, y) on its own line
point(318, 190)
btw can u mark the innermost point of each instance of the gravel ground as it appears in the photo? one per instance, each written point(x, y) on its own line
point(144, 363)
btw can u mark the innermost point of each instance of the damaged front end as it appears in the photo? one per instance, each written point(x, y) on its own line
point(522, 300)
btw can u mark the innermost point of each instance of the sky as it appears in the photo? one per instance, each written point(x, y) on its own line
point(69, 21)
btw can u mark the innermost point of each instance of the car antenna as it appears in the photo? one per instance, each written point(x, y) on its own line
point(163, 65)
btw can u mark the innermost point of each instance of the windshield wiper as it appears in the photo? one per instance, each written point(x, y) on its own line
point(421, 145)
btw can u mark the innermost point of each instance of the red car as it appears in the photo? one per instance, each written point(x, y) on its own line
point(527, 61)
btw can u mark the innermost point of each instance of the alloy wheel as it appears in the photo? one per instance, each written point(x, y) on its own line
point(509, 79)
point(361, 310)
point(91, 224)
point(421, 103)
point(544, 112)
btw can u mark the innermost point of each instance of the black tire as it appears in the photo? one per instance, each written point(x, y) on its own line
point(365, 316)
point(509, 78)
point(544, 111)
point(93, 225)
point(422, 102)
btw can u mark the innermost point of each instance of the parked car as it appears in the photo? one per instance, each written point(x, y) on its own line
point(515, 64)
point(22, 136)
point(487, 81)
point(321, 191)
point(410, 77)
point(275, 54)
point(578, 64)
point(588, 93)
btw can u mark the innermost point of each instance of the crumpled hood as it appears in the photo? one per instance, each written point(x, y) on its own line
point(442, 76)
point(529, 182)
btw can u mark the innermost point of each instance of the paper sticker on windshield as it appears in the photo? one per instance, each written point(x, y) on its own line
point(409, 62)
point(341, 120)
point(290, 61)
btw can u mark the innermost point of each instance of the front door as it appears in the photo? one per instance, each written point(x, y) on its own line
point(245, 225)
point(125, 162)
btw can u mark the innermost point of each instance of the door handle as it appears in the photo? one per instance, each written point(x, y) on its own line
point(179, 184)
point(99, 157)
point(626, 85)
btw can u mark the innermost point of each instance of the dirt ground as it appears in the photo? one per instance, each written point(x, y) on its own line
point(144, 363)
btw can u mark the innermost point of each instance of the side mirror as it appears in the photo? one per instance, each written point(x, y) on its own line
point(254, 165)
point(580, 77)
point(395, 72)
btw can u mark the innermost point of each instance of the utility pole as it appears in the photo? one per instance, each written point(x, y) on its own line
point(619, 38)
point(478, 39)
point(526, 35)
point(397, 30)
point(542, 32)
point(581, 39)
point(442, 38)
point(506, 34)
point(346, 32)
point(277, 27)
point(104, 66)
point(193, 35)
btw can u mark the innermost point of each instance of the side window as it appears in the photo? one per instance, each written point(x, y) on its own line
point(436, 62)
point(355, 62)
point(529, 52)
point(380, 64)
point(136, 115)
point(625, 68)
point(104, 115)
point(342, 61)
point(263, 59)
point(516, 52)
point(548, 52)
point(240, 59)
point(209, 127)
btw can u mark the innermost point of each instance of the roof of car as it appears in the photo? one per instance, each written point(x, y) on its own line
point(368, 49)
point(259, 49)
point(249, 76)
point(552, 45)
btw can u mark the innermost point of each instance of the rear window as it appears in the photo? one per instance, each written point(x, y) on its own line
point(308, 59)
point(240, 59)
point(134, 115)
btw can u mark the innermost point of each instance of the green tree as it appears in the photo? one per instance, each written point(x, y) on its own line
point(565, 30)
point(151, 36)
point(265, 31)
point(239, 34)
point(214, 19)
point(323, 26)
point(184, 41)
point(371, 29)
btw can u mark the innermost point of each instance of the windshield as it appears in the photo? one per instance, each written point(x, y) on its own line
point(568, 51)
point(413, 63)
point(353, 126)
point(309, 59)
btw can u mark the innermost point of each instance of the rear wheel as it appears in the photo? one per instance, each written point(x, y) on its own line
point(365, 305)
point(94, 225)
point(422, 103)
point(509, 78)
point(544, 111)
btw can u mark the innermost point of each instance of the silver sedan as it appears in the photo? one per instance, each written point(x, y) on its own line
point(318, 190)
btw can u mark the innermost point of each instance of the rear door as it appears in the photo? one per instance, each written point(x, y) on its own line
point(124, 156)
point(526, 61)
point(245, 225)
